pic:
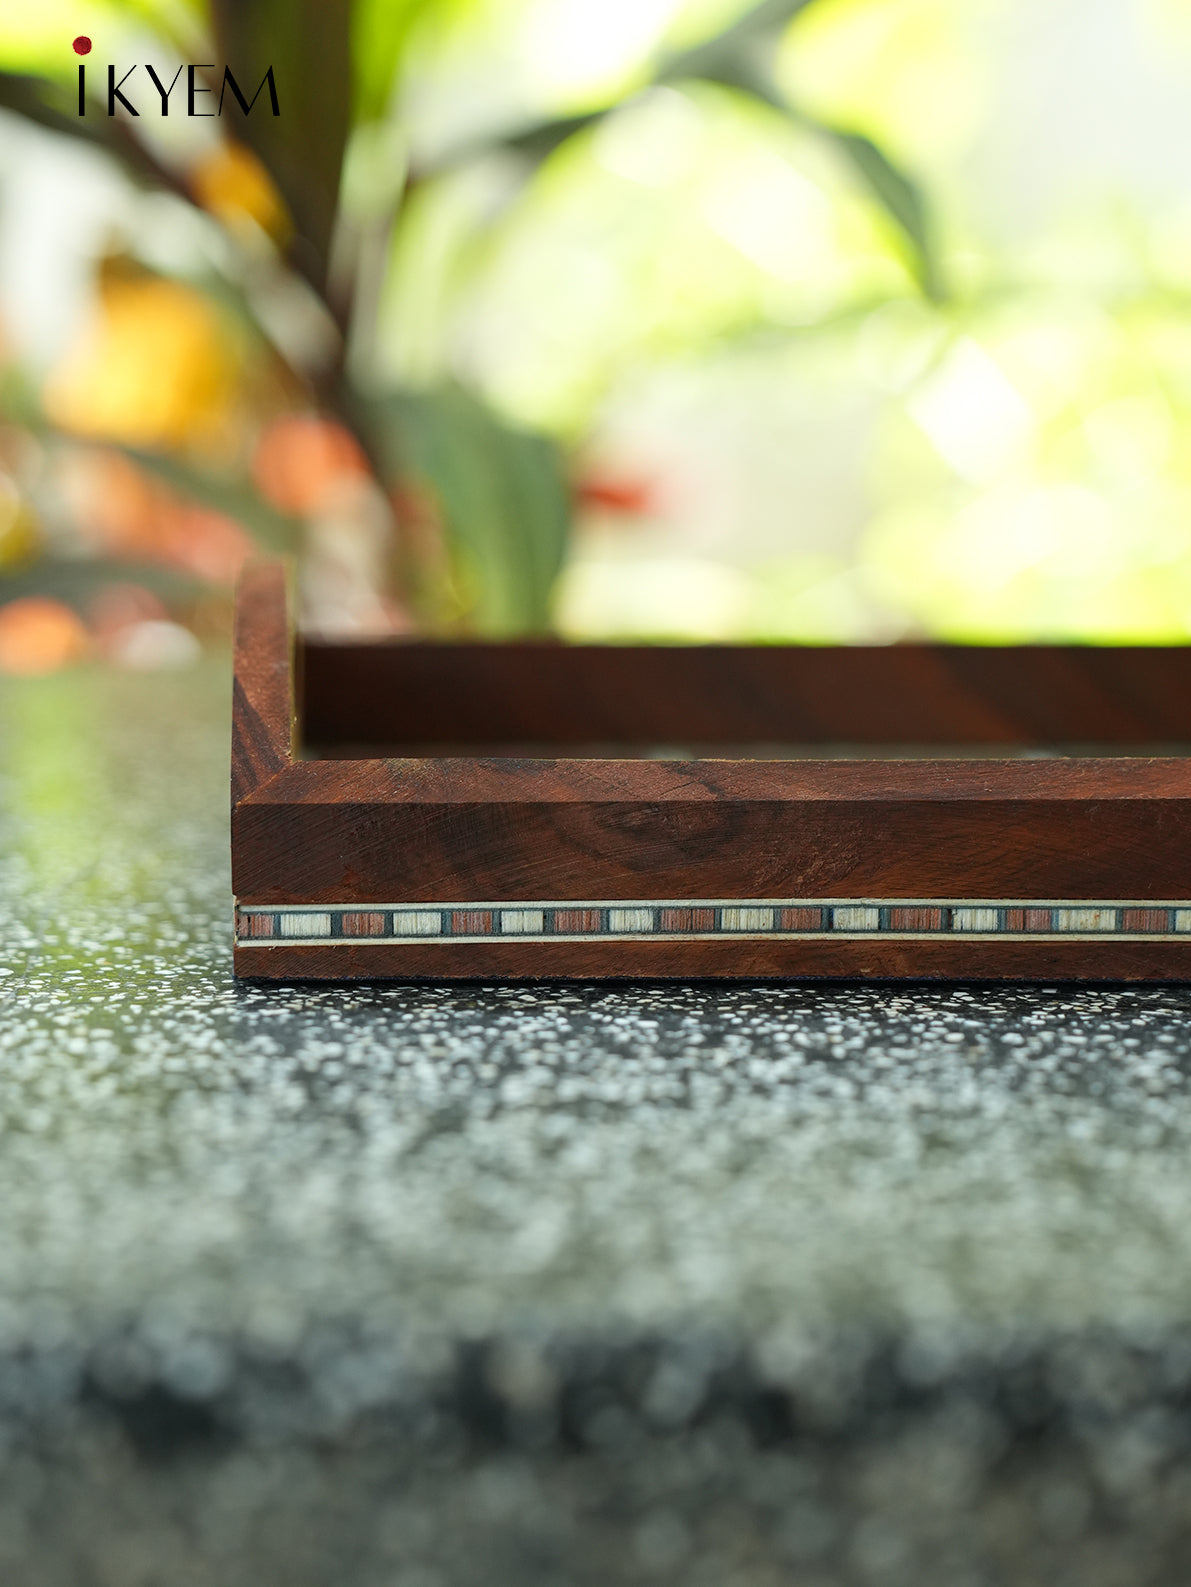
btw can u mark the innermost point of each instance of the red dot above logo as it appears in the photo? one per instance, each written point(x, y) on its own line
point(82, 45)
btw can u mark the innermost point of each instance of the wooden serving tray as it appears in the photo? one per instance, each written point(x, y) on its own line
point(512, 810)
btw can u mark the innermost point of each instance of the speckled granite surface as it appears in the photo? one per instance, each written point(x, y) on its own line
point(416, 1286)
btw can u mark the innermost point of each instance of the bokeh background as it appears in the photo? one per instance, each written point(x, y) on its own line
point(840, 320)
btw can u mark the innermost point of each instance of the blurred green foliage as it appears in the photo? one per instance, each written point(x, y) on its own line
point(368, 195)
point(890, 296)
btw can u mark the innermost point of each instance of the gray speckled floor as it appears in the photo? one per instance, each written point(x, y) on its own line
point(430, 1286)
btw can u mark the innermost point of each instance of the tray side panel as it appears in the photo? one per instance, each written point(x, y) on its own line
point(480, 694)
point(630, 849)
point(263, 694)
point(798, 959)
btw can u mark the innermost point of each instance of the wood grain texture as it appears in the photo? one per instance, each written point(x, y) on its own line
point(806, 960)
point(263, 720)
point(485, 694)
point(389, 830)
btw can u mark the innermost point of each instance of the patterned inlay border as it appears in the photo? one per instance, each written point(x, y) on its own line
point(262, 926)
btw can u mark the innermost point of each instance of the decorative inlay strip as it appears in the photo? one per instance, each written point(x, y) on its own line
point(906, 918)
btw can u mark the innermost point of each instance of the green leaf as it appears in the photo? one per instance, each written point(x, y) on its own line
point(739, 59)
point(381, 31)
point(308, 45)
point(77, 580)
point(902, 200)
point(735, 60)
point(49, 105)
point(272, 530)
point(717, 59)
point(503, 494)
point(538, 141)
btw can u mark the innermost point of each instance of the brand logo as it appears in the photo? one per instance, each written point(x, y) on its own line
point(196, 87)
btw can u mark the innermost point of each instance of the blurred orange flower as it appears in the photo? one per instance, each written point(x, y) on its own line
point(129, 514)
point(234, 186)
point(155, 369)
point(38, 635)
point(301, 458)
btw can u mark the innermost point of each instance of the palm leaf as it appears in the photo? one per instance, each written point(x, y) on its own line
point(502, 493)
point(308, 44)
point(739, 59)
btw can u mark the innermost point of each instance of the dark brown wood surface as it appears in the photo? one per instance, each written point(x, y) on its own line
point(754, 959)
point(392, 830)
point(491, 694)
point(262, 684)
